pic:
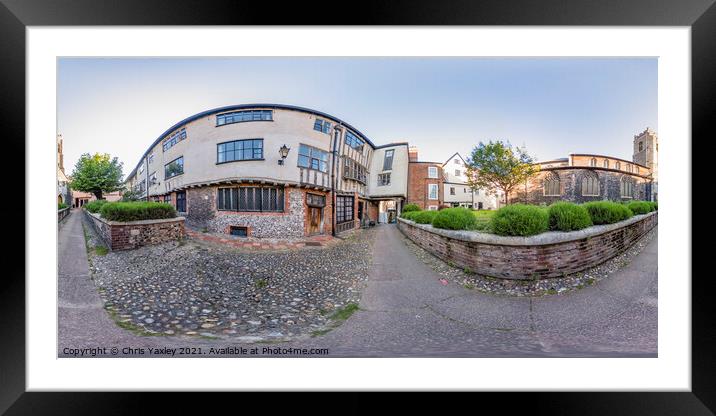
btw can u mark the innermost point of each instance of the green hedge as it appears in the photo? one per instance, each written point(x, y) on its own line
point(520, 220)
point(423, 217)
point(410, 208)
point(607, 212)
point(137, 211)
point(61, 205)
point(408, 215)
point(95, 206)
point(654, 206)
point(567, 216)
point(639, 207)
point(455, 219)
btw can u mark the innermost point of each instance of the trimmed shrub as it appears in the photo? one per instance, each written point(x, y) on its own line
point(521, 220)
point(639, 207)
point(654, 206)
point(137, 211)
point(408, 215)
point(424, 217)
point(411, 208)
point(455, 219)
point(566, 216)
point(61, 205)
point(95, 206)
point(607, 212)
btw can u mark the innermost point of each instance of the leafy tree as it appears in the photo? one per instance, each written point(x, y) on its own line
point(130, 195)
point(97, 174)
point(498, 165)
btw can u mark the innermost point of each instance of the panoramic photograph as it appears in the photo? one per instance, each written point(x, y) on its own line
point(357, 207)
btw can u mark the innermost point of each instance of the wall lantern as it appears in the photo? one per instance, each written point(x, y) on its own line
point(283, 151)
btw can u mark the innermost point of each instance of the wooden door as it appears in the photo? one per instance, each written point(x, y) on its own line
point(315, 220)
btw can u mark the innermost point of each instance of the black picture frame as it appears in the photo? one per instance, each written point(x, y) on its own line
point(16, 15)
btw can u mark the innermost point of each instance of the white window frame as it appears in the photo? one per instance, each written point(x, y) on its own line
point(430, 187)
point(432, 207)
point(432, 169)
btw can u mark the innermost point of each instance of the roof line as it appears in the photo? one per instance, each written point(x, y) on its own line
point(241, 107)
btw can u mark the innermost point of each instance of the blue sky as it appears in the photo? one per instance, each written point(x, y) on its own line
point(553, 106)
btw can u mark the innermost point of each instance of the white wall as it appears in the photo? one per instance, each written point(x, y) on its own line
point(398, 173)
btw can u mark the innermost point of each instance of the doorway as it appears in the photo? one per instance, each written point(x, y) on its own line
point(315, 220)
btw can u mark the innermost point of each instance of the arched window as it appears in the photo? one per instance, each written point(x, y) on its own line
point(593, 163)
point(628, 167)
point(627, 188)
point(590, 184)
point(551, 185)
point(618, 166)
point(606, 163)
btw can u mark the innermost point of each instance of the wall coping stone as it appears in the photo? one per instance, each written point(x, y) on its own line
point(142, 222)
point(549, 237)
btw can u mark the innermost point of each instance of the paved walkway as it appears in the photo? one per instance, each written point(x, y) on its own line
point(406, 311)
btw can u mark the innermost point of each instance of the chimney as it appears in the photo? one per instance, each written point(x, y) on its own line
point(413, 154)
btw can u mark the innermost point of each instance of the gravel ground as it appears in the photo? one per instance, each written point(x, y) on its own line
point(213, 291)
point(530, 288)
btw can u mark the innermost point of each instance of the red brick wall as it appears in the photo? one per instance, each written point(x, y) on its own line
point(418, 184)
point(530, 261)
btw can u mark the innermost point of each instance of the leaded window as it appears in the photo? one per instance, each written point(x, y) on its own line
point(174, 168)
point(590, 184)
point(354, 141)
point(552, 186)
point(388, 159)
point(344, 209)
point(250, 198)
point(315, 200)
point(237, 150)
point(173, 139)
point(383, 179)
point(243, 116)
point(354, 170)
point(627, 188)
point(312, 158)
point(322, 126)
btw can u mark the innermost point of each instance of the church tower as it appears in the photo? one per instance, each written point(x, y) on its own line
point(646, 151)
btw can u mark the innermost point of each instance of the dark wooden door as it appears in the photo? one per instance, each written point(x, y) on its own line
point(315, 219)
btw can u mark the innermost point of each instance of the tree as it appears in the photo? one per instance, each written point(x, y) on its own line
point(130, 195)
point(499, 166)
point(97, 174)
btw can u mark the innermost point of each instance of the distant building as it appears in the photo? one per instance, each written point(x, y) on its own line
point(589, 177)
point(64, 195)
point(457, 191)
point(646, 152)
point(425, 182)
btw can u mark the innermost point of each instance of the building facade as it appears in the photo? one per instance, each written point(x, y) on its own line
point(272, 171)
point(583, 178)
point(64, 194)
point(425, 182)
point(457, 191)
point(646, 153)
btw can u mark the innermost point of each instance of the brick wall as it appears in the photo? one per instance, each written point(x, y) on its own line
point(418, 184)
point(133, 234)
point(543, 256)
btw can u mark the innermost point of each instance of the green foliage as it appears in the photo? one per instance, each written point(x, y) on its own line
point(520, 220)
point(639, 207)
point(455, 219)
point(61, 205)
point(607, 212)
point(130, 195)
point(497, 165)
point(95, 206)
point(408, 215)
point(424, 217)
point(136, 211)
point(566, 216)
point(411, 208)
point(654, 206)
point(97, 174)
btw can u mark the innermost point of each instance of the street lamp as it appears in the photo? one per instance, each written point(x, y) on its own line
point(283, 151)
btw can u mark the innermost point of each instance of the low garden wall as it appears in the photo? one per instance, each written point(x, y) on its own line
point(127, 235)
point(62, 213)
point(546, 255)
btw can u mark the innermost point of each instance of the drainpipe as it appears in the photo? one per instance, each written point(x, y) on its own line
point(333, 179)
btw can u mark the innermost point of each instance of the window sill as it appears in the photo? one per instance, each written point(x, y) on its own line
point(172, 177)
point(242, 160)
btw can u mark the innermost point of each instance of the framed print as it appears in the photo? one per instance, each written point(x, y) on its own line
point(452, 198)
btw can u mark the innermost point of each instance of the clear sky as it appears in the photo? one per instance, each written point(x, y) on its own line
point(553, 106)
